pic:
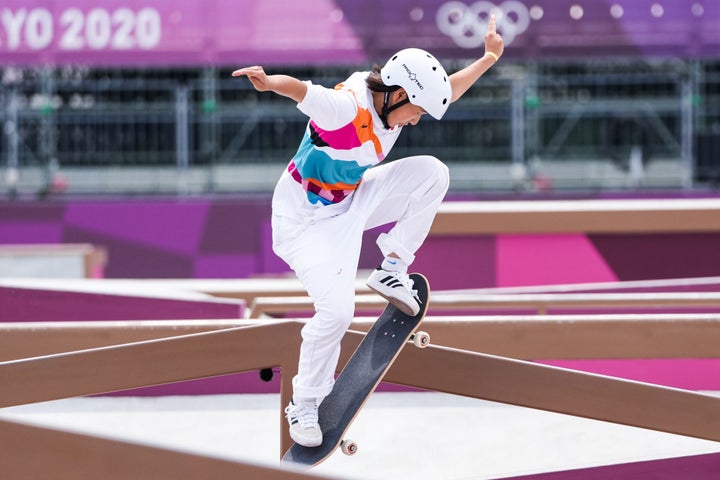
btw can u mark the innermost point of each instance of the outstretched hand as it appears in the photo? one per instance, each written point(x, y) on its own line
point(256, 75)
point(493, 41)
point(284, 85)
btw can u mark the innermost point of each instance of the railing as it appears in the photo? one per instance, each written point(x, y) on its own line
point(53, 360)
point(32, 452)
point(436, 368)
point(587, 216)
point(525, 337)
point(610, 125)
point(474, 303)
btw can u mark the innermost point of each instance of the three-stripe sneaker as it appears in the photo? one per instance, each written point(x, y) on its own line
point(304, 427)
point(396, 287)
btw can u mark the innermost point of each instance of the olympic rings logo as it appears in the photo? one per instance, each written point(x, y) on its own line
point(467, 25)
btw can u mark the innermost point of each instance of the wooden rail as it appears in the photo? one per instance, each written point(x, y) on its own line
point(572, 216)
point(527, 337)
point(155, 362)
point(526, 384)
point(31, 453)
point(247, 289)
point(35, 339)
point(691, 284)
point(437, 368)
point(539, 302)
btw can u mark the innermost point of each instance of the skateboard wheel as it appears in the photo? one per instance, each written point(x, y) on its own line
point(349, 447)
point(421, 339)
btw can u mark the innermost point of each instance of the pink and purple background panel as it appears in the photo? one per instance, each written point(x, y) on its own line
point(230, 238)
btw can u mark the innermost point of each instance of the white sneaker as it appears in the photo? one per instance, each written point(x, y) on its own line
point(397, 288)
point(304, 427)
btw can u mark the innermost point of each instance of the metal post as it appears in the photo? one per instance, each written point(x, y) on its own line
point(182, 142)
point(210, 140)
point(12, 175)
point(518, 120)
point(48, 146)
point(518, 127)
point(687, 131)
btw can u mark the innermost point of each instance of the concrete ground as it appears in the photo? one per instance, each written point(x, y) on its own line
point(400, 435)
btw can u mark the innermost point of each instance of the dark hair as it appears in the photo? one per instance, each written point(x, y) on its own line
point(374, 81)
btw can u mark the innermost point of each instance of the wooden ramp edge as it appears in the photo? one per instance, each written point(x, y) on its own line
point(442, 369)
point(536, 302)
point(35, 339)
point(553, 389)
point(528, 337)
point(31, 452)
point(147, 363)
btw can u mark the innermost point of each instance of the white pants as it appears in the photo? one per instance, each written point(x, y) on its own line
point(322, 245)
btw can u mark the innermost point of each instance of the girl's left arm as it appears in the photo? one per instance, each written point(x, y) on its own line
point(463, 79)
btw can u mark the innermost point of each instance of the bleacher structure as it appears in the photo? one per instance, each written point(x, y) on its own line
point(600, 125)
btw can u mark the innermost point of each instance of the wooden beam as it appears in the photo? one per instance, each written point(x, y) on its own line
point(34, 339)
point(246, 289)
point(553, 389)
point(442, 369)
point(538, 302)
point(578, 216)
point(534, 337)
point(31, 452)
point(155, 362)
point(147, 363)
point(687, 284)
point(530, 337)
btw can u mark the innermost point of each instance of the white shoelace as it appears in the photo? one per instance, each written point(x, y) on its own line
point(407, 282)
point(306, 416)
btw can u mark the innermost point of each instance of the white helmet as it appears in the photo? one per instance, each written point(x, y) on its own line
point(422, 77)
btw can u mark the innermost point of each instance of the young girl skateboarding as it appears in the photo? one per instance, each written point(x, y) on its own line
point(337, 186)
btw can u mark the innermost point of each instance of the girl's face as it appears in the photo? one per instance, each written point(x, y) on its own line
point(408, 114)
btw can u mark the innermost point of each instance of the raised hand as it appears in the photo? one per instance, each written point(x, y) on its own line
point(494, 44)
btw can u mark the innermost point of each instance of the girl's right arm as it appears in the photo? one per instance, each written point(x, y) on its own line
point(329, 108)
point(284, 85)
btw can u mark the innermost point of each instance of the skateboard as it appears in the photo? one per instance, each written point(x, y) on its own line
point(362, 374)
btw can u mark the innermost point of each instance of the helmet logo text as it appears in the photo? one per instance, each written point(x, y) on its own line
point(413, 77)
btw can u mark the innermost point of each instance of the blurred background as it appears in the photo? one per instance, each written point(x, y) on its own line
point(130, 100)
point(135, 97)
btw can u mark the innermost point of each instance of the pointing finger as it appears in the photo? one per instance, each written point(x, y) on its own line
point(491, 24)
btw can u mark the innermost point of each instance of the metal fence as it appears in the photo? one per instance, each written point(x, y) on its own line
point(199, 130)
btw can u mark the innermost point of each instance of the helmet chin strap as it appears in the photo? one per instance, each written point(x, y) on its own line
point(387, 109)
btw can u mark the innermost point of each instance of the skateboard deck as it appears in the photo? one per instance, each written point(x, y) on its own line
point(362, 374)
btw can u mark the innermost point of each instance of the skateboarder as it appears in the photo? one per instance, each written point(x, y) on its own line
point(329, 195)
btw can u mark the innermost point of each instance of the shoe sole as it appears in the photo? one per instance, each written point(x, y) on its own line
point(396, 303)
point(303, 441)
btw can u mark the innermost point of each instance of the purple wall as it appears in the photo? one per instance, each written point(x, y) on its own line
point(31, 305)
point(164, 238)
point(232, 32)
point(230, 238)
